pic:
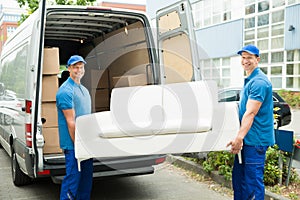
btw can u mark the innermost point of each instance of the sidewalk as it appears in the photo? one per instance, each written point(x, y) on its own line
point(193, 167)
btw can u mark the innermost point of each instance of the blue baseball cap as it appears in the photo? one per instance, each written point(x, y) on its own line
point(250, 49)
point(75, 59)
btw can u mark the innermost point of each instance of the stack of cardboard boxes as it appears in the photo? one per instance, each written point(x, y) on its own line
point(49, 111)
point(100, 90)
point(129, 80)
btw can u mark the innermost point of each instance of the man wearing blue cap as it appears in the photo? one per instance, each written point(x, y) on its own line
point(72, 101)
point(256, 133)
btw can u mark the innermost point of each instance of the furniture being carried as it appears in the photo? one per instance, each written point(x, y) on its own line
point(158, 119)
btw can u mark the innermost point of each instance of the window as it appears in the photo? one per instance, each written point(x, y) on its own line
point(226, 72)
point(263, 32)
point(293, 1)
point(277, 43)
point(250, 9)
point(250, 22)
point(207, 14)
point(278, 3)
point(293, 55)
point(216, 19)
point(226, 62)
point(230, 95)
point(263, 20)
point(211, 12)
point(264, 70)
point(10, 30)
point(198, 14)
point(226, 82)
point(15, 78)
point(207, 63)
point(263, 44)
point(277, 29)
point(278, 16)
point(216, 62)
point(226, 16)
point(217, 69)
point(277, 57)
point(264, 58)
point(263, 6)
point(206, 74)
point(293, 82)
point(276, 82)
point(249, 42)
point(293, 69)
point(216, 72)
point(248, 2)
point(276, 70)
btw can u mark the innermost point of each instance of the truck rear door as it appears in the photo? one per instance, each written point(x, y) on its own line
point(178, 53)
point(38, 140)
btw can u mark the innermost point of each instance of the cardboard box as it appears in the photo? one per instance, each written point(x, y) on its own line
point(101, 109)
point(51, 61)
point(100, 98)
point(129, 80)
point(49, 114)
point(51, 138)
point(99, 79)
point(49, 88)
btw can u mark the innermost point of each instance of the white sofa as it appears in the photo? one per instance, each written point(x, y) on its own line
point(158, 119)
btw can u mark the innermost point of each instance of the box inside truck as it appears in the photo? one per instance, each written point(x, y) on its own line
point(115, 47)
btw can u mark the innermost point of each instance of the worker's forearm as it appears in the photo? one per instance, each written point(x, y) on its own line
point(246, 124)
point(71, 128)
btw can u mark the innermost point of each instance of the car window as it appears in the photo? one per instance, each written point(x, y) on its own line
point(230, 95)
point(275, 99)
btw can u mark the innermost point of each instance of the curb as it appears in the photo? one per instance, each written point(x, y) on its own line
point(193, 167)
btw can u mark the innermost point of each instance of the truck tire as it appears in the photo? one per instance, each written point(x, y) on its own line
point(19, 178)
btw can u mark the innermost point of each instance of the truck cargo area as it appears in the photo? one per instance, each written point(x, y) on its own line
point(115, 46)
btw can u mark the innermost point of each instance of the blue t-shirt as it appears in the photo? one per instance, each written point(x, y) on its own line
point(75, 96)
point(258, 87)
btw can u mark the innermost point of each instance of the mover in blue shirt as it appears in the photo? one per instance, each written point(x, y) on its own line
point(72, 101)
point(256, 133)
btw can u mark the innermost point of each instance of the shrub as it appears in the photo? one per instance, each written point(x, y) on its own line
point(223, 162)
point(291, 97)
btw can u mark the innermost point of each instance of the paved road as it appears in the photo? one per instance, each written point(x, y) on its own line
point(168, 183)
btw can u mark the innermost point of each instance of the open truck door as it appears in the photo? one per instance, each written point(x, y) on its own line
point(38, 139)
point(180, 115)
point(177, 46)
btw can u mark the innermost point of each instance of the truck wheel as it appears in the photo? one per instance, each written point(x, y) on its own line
point(19, 178)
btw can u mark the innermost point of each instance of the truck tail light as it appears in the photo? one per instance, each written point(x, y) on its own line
point(28, 129)
point(160, 160)
point(44, 172)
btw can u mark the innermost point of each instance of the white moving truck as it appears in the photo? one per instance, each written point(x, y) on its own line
point(122, 59)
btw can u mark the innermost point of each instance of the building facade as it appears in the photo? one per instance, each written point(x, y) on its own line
point(223, 27)
point(272, 25)
point(10, 15)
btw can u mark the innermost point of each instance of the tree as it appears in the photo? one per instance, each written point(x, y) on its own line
point(34, 4)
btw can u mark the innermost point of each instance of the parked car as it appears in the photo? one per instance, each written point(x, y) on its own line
point(281, 108)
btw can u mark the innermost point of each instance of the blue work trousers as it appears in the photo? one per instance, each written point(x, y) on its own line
point(248, 177)
point(77, 184)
